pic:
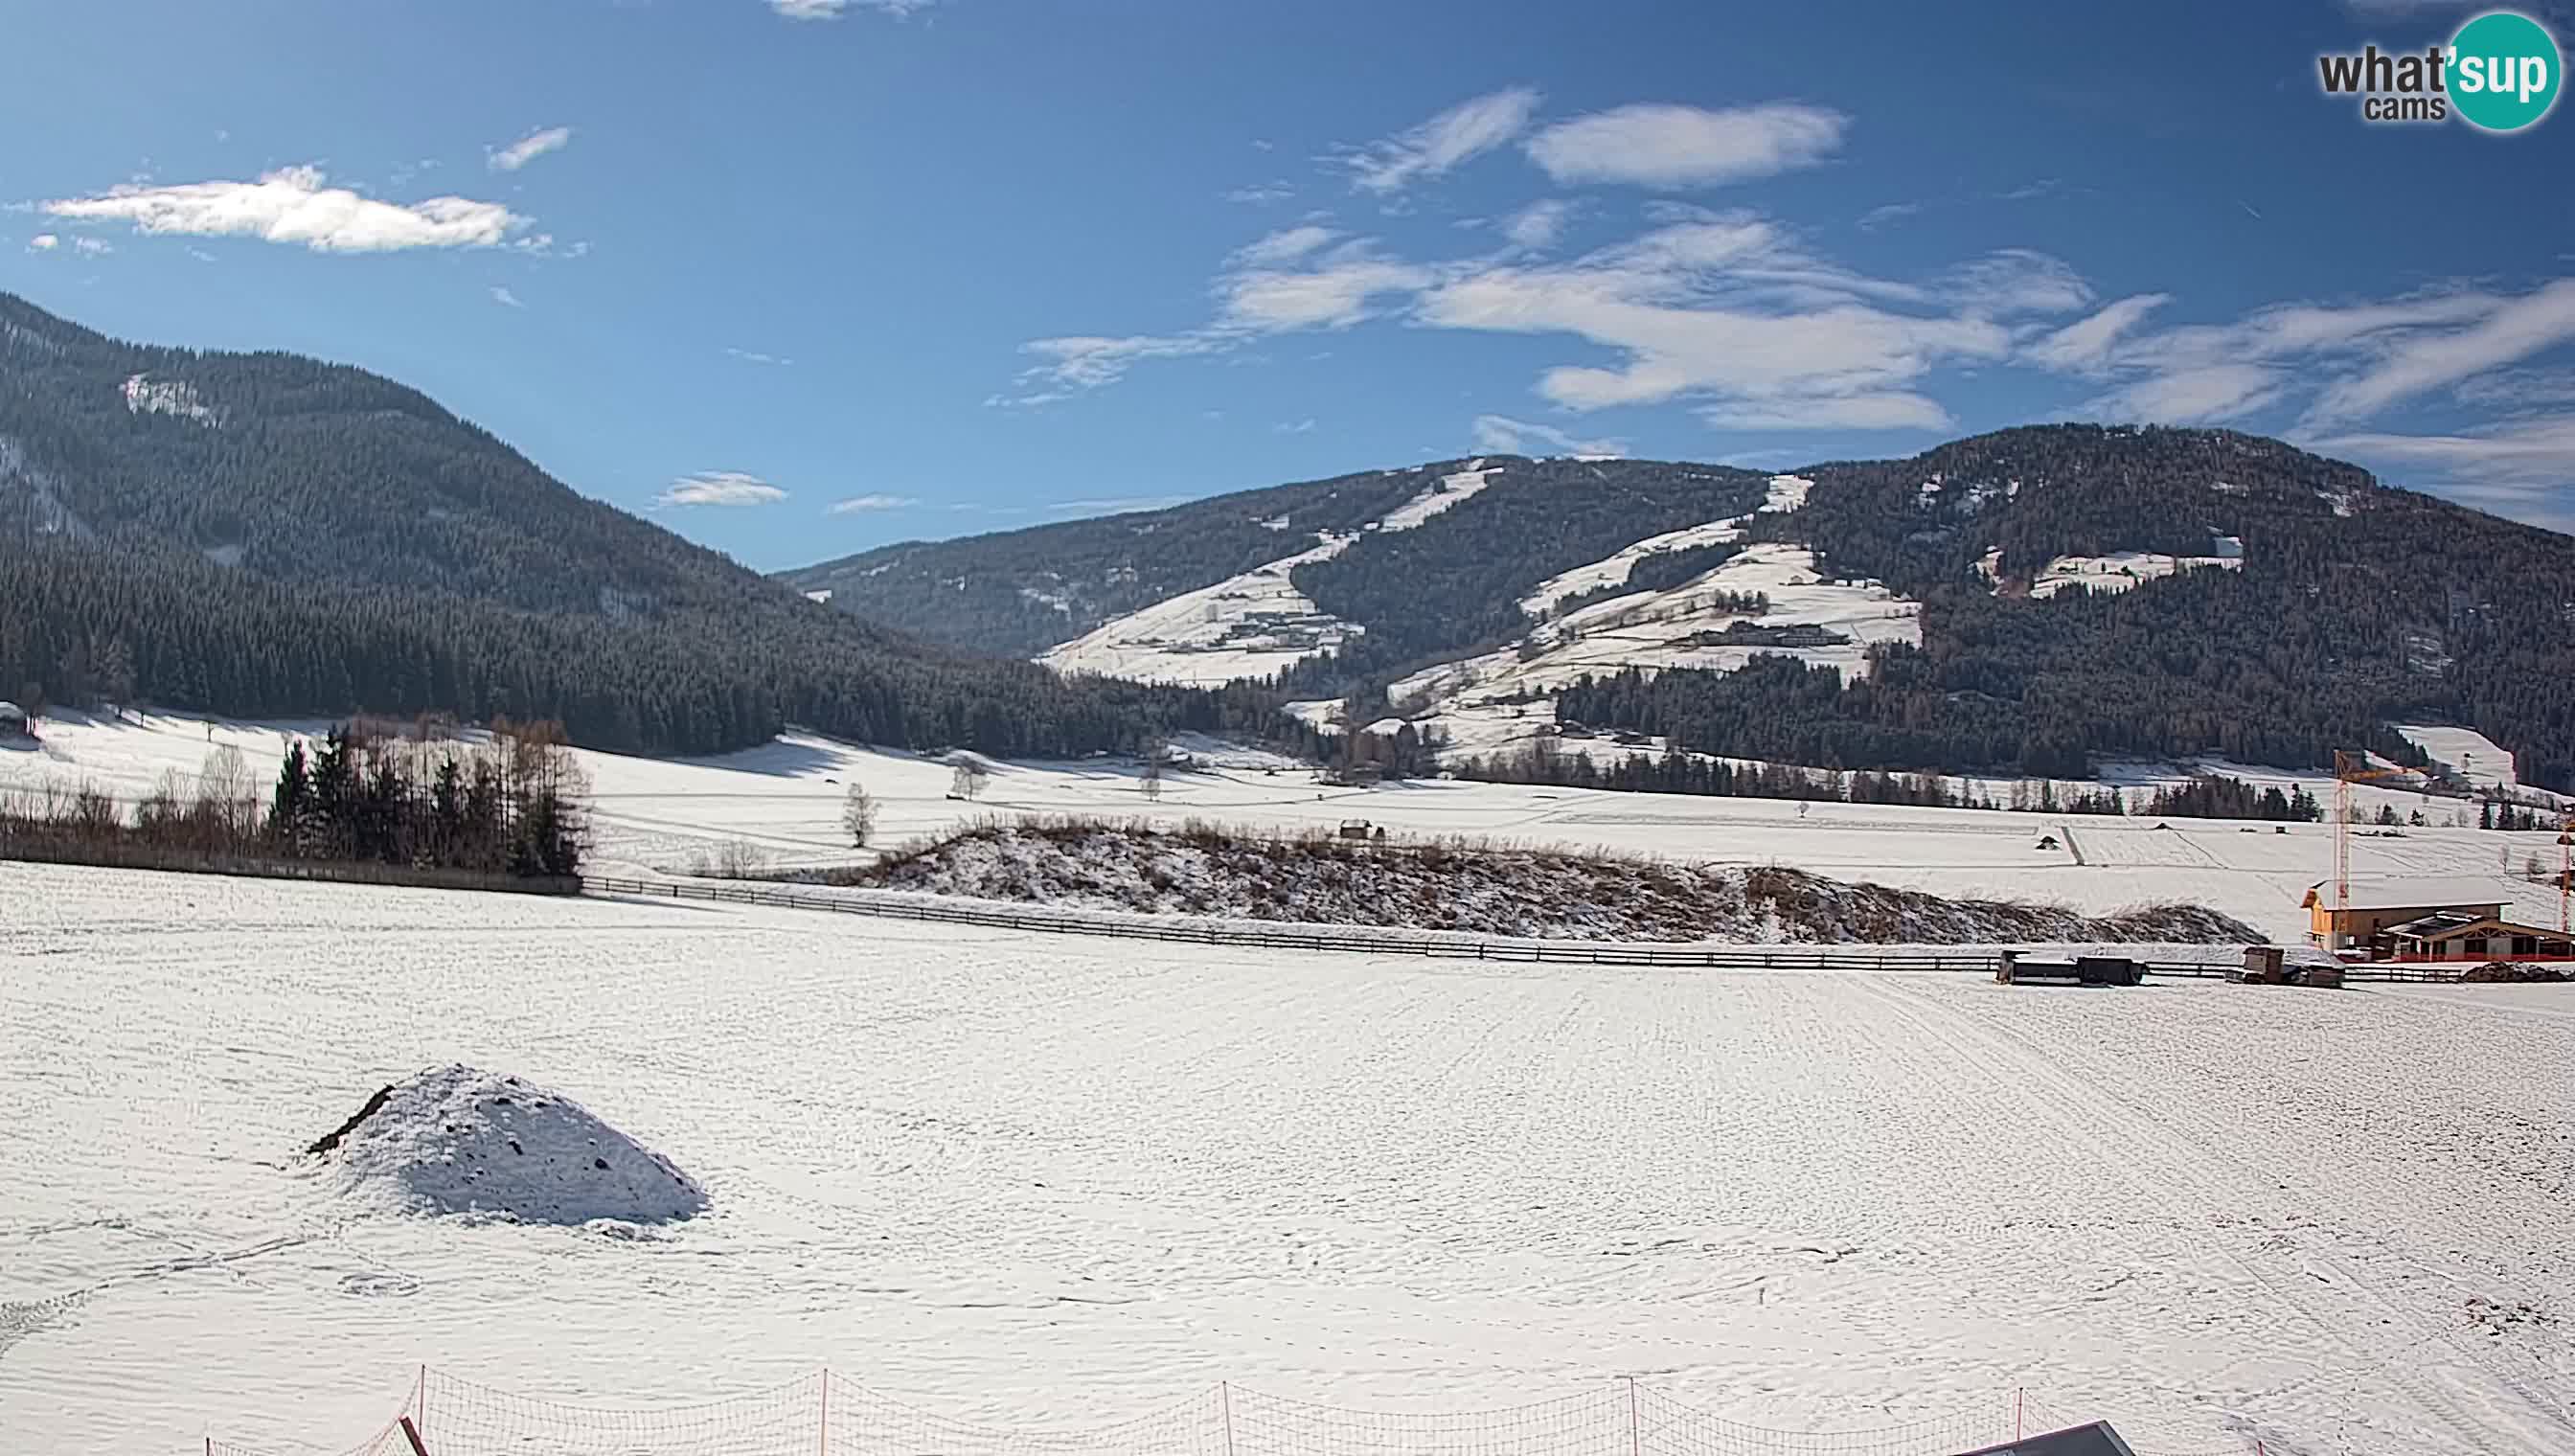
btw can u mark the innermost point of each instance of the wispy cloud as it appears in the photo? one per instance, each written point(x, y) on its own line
point(1732, 311)
point(1668, 146)
point(2349, 361)
point(720, 488)
point(754, 356)
point(1539, 225)
point(1116, 505)
point(1502, 435)
point(1878, 217)
point(835, 9)
point(859, 504)
point(527, 149)
point(294, 205)
point(43, 242)
point(1283, 246)
point(1464, 131)
point(1300, 426)
point(506, 298)
point(1260, 194)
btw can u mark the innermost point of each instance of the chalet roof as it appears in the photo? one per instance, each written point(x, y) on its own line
point(2444, 926)
point(2406, 895)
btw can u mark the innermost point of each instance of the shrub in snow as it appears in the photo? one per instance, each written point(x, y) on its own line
point(455, 1140)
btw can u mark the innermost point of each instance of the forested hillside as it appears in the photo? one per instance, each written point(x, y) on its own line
point(2355, 605)
point(265, 534)
point(2311, 606)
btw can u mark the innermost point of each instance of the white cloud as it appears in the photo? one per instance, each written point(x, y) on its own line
point(2538, 452)
point(93, 246)
point(1260, 194)
point(754, 356)
point(2353, 360)
point(858, 503)
point(1333, 292)
point(1462, 132)
point(1282, 247)
point(1731, 309)
point(1539, 225)
point(505, 298)
point(1666, 146)
point(1115, 504)
point(1891, 410)
point(291, 205)
point(1502, 435)
point(1878, 217)
point(2202, 394)
point(2085, 343)
point(527, 149)
point(1300, 426)
point(721, 487)
point(2014, 280)
point(43, 242)
point(201, 255)
point(835, 9)
point(1078, 362)
point(2511, 333)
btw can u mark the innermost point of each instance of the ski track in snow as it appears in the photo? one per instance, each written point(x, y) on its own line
point(1026, 1179)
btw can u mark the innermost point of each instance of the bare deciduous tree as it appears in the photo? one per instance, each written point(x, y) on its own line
point(859, 814)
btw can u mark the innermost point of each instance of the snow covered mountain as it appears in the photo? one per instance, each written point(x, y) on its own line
point(2027, 600)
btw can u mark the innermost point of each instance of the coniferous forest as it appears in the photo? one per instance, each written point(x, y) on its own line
point(266, 535)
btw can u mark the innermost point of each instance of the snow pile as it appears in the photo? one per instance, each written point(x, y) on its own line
point(1318, 879)
point(455, 1140)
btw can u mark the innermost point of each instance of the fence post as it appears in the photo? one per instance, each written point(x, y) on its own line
point(420, 1398)
point(1224, 1397)
point(823, 1438)
point(2017, 1393)
point(1635, 1433)
point(411, 1433)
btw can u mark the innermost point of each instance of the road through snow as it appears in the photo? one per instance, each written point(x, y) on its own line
point(1019, 1179)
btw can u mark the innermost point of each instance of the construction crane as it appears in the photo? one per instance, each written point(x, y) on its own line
point(2350, 768)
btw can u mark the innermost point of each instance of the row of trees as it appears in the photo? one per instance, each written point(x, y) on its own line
point(515, 803)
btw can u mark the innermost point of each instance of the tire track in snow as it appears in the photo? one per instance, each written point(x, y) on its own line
point(2079, 1111)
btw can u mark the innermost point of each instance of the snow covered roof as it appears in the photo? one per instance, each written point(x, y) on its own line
point(2406, 895)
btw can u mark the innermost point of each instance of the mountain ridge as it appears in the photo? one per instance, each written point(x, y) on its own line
point(262, 534)
point(2026, 600)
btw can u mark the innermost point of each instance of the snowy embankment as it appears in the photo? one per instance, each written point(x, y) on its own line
point(1206, 870)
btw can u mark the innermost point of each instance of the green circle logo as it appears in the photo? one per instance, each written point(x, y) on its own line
point(2503, 71)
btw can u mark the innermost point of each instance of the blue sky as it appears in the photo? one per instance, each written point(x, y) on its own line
point(800, 277)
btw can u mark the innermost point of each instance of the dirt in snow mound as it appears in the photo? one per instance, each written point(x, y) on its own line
point(1202, 869)
point(455, 1140)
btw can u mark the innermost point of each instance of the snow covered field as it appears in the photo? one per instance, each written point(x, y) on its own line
point(783, 801)
point(1018, 1179)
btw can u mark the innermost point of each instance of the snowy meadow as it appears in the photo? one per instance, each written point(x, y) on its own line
point(1032, 1181)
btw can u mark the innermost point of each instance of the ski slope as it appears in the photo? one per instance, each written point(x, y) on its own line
point(781, 803)
point(1026, 1179)
point(1247, 626)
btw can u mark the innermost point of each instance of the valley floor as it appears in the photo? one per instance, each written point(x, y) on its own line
point(1023, 1179)
point(781, 804)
